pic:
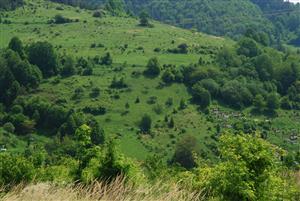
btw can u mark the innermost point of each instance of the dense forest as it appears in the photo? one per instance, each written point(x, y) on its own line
point(10, 4)
point(277, 18)
point(100, 101)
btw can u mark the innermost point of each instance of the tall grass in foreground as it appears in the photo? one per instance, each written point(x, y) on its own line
point(117, 190)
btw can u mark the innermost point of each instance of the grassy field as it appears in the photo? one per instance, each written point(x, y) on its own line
point(30, 24)
point(114, 33)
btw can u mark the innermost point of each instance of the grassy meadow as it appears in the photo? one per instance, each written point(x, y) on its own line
point(131, 46)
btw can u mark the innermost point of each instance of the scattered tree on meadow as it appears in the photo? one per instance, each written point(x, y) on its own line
point(68, 68)
point(183, 48)
point(59, 19)
point(145, 124)
point(171, 123)
point(168, 77)
point(153, 67)
point(97, 14)
point(185, 152)
point(144, 21)
point(95, 92)
point(106, 59)
point(118, 83)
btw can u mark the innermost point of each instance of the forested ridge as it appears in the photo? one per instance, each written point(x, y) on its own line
point(10, 4)
point(277, 18)
point(104, 105)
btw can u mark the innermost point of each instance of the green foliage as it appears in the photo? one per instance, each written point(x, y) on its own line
point(16, 73)
point(227, 57)
point(185, 152)
point(181, 49)
point(259, 37)
point(287, 74)
point(9, 127)
point(17, 109)
point(249, 171)
point(145, 124)
point(87, 71)
point(248, 47)
point(95, 92)
point(16, 45)
point(144, 19)
point(10, 4)
point(259, 103)
point(106, 59)
point(168, 76)
point(171, 123)
point(204, 15)
point(153, 67)
point(115, 6)
point(235, 94)
point(201, 96)
point(15, 169)
point(43, 55)
point(182, 104)
point(57, 173)
point(63, 116)
point(108, 164)
point(97, 14)
point(118, 83)
point(97, 134)
point(83, 135)
point(59, 19)
point(264, 66)
point(210, 85)
point(23, 125)
point(68, 68)
point(273, 102)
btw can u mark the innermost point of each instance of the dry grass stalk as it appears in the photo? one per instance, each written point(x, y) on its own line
point(116, 190)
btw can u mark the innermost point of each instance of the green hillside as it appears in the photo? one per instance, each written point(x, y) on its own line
point(279, 19)
point(131, 46)
point(114, 33)
point(30, 24)
point(204, 15)
point(91, 95)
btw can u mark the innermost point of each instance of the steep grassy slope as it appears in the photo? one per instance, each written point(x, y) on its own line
point(131, 46)
point(113, 32)
point(30, 24)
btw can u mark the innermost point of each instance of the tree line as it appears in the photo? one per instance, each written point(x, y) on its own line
point(10, 4)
